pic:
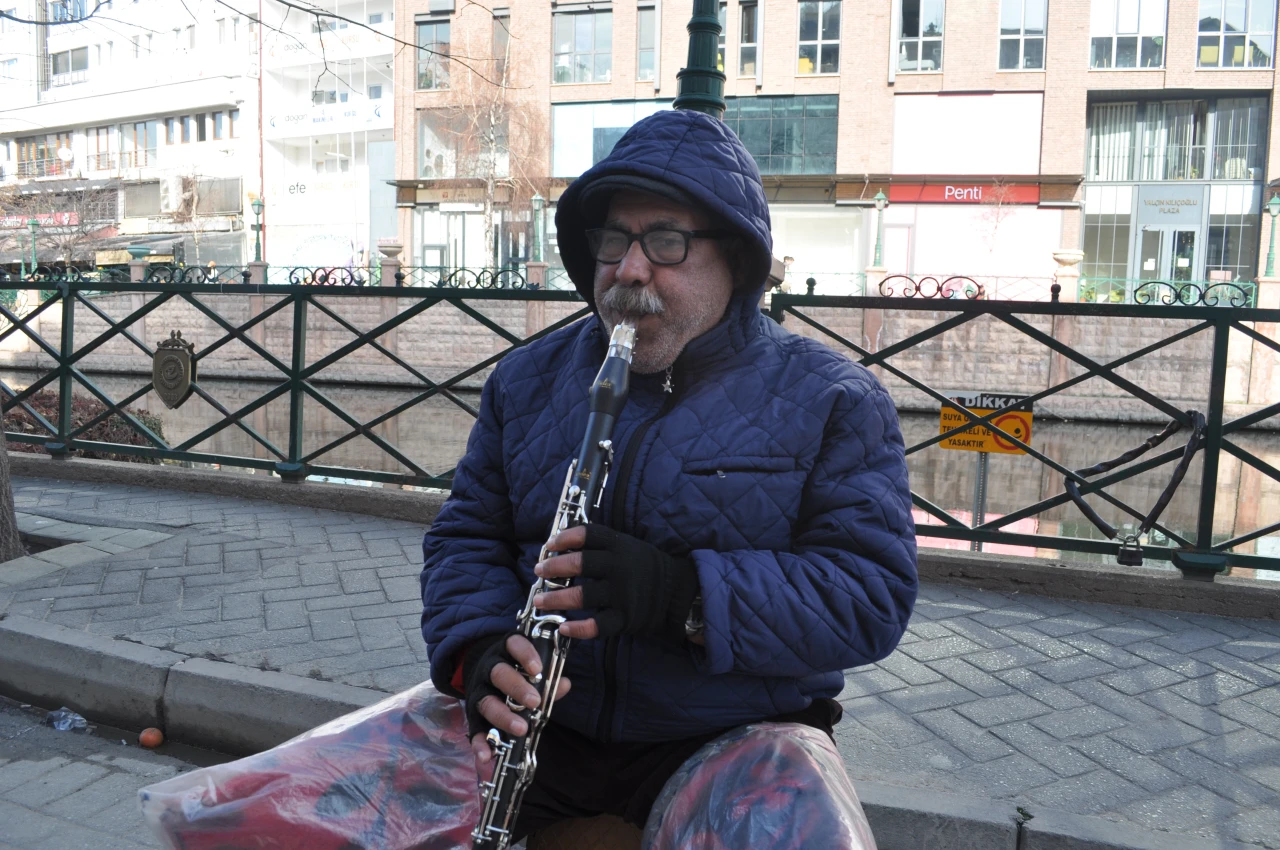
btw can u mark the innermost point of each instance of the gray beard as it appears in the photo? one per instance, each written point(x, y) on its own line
point(659, 352)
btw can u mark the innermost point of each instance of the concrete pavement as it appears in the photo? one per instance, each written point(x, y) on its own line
point(1161, 723)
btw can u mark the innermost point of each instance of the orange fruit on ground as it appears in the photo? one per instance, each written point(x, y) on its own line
point(151, 738)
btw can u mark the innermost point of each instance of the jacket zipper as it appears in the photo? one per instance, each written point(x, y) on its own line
point(617, 509)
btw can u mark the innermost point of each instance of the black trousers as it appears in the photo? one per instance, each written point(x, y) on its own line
point(581, 778)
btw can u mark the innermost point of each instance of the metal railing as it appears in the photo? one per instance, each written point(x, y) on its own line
point(1197, 554)
point(1207, 293)
point(48, 167)
point(296, 378)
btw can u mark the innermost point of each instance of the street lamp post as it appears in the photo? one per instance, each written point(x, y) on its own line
point(22, 257)
point(1273, 207)
point(32, 224)
point(257, 229)
point(881, 203)
point(539, 223)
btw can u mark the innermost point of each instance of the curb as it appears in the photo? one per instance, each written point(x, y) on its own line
point(239, 711)
point(409, 505)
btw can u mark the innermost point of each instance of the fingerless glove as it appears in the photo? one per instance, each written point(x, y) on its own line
point(634, 587)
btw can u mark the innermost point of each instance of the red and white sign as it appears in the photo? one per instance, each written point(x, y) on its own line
point(58, 219)
point(964, 193)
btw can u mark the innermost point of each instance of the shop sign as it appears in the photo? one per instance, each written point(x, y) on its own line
point(57, 219)
point(964, 193)
point(1176, 204)
point(453, 194)
point(328, 118)
point(1015, 419)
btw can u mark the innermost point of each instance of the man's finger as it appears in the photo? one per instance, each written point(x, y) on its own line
point(511, 682)
point(496, 712)
point(570, 538)
point(561, 566)
point(523, 652)
point(560, 600)
point(580, 630)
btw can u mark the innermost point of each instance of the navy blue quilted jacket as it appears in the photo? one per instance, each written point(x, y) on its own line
point(777, 465)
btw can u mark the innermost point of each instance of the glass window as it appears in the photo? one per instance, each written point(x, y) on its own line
point(433, 55)
point(1173, 140)
point(1022, 24)
point(1113, 128)
point(452, 145)
point(786, 135)
point(1239, 137)
point(1106, 247)
point(1236, 33)
point(188, 129)
point(819, 42)
point(200, 127)
point(375, 18)
point(723, 15)
point(375, 92)
point(747, 40)
point(233, 118)
point(583, 48)
point(501, 45)
point(1127, 34)
point(645, 21)
point(1235, 213)
point(219, 121)
point(920, 35)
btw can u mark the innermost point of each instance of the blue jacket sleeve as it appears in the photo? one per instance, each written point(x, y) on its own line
point(470, 588)
point(842, 596)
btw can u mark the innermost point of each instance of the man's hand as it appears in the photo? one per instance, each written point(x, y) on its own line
point(634, 587)
point(490, 679)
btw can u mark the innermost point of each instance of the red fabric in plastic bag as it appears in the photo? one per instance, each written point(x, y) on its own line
point(780, 786)
point(398, 775)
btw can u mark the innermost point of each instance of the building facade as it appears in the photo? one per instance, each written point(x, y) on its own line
point(136, 126)
point(1136, 131)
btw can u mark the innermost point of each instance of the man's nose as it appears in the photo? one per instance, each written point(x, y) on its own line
point(634, 266)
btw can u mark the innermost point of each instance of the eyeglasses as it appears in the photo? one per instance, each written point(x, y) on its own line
point(663, 247)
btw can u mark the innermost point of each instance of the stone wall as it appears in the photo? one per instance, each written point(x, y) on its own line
point(443, 341)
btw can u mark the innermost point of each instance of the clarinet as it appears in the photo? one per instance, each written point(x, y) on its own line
point(515, 758)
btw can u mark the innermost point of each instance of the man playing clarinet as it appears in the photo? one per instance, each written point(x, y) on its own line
point(754, 538)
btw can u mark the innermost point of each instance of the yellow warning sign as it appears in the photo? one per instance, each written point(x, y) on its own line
point(1014, 420)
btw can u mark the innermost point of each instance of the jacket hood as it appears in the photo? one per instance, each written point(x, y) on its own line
point(696, 155)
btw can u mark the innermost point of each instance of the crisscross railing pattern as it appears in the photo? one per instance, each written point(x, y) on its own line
point(295, 378)
point(1197, 553)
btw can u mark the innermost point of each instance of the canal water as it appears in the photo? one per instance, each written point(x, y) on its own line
point(434, 432)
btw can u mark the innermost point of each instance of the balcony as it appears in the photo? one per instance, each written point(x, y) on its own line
point(50, 167)
point(142, 158)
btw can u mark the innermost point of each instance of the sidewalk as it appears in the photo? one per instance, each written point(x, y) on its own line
point(1159, 720)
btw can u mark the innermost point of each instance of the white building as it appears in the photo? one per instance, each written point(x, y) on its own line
point(150, 99)
point(328, 118)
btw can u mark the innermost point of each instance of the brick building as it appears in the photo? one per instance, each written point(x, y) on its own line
point(1001, 132)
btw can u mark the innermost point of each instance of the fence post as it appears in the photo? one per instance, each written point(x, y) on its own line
point(1067, 274)
point(294, 470)
point(257, 273)
point(390, 252)
point(1202, 564)
point(66, 348)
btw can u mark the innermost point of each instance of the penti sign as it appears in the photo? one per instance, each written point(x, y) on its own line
point(1014, 418)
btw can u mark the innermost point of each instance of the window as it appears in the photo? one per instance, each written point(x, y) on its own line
point(9, 69)
point(1113, 127)
point(501, 45)
point(375, 18)
point(1174, 140)
point(233, 118)
point(820, 36)
point(1022, 34)
point(188, 129)
point(98, 146)
point(222, 30)
point(200, 127)
point(451, 145)
point(138, 143)
point(328, 25)
point(583, 47)
point(172, 131)
point(720, 39)
point(645, 21)
point(1236, 33)
point(433, 55)
point(8, 25)
point(38, 155)
point(747, 40)
point(219, 122)
point(1239, 137)
point(375, 92)
point(1232, 246)
point(1107, 214)
point(141, 200)
point(66, 10)
point(920, 35)
point(786, 135)
point(1127, 34)
point(69, 66)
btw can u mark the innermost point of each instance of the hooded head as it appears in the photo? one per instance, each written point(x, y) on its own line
point(686, 158)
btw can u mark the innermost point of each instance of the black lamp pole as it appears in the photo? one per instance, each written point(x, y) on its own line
point(700, 86)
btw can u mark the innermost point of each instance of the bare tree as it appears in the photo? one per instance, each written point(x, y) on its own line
point(999, 202)
point(73, 222)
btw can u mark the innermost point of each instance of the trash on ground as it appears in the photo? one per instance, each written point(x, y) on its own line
point(151, 738)
point(66, 720)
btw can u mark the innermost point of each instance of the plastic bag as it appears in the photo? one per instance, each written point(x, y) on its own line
point(66, 720)
point(780, 786)
point(398, 775)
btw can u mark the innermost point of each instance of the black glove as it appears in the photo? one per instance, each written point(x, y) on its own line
point(636, 588)
point(477, 668)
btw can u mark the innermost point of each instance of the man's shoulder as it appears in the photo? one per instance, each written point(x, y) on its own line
point(829, 369)
point(547, 354)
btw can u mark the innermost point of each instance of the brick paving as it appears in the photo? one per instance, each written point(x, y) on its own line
point(1169, 721)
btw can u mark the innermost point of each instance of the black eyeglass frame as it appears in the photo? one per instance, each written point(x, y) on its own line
point(632, 238)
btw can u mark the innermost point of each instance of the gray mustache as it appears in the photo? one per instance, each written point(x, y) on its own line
point(631, 301)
